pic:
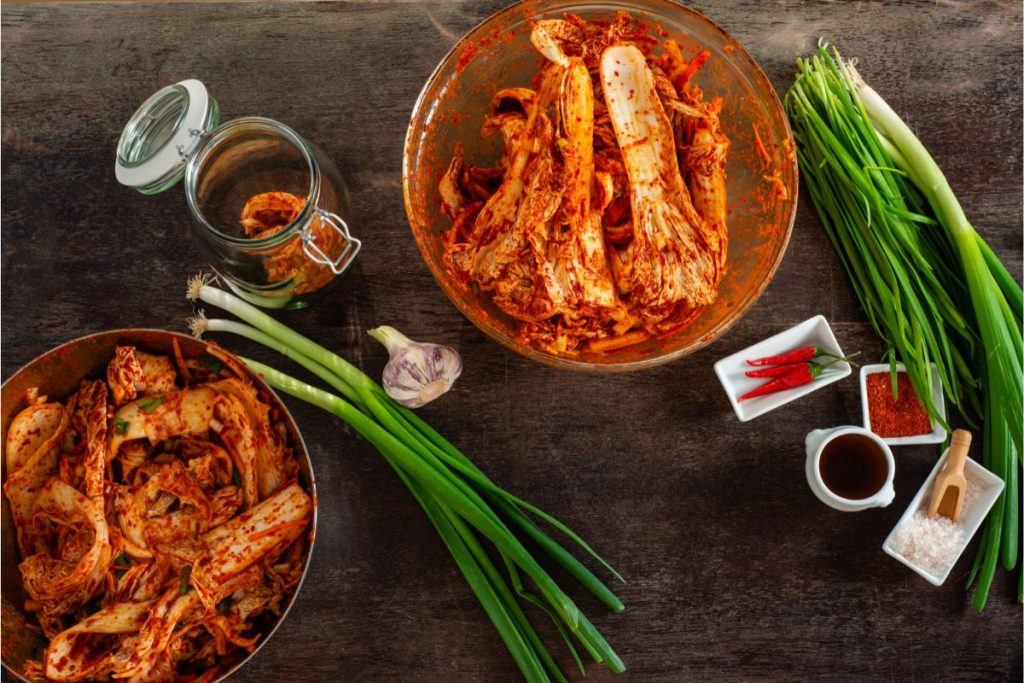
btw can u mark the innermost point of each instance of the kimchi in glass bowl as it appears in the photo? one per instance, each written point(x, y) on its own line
point(761, 165)
point(56, 374)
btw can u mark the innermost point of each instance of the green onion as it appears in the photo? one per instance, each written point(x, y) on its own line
point(148, 405)
point(211, 363)
point(223, 606)
point(462, 503)
point(931, 287)
point(123, 560)
point(183, 585)
point(121, 426)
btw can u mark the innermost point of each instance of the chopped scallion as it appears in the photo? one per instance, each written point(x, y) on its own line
point(211, 363)
point(148, 405)
point(183, 587)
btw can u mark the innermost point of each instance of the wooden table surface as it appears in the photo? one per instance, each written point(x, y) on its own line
point(735, 570)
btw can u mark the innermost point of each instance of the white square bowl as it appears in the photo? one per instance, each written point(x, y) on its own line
point(938, 433)
point(731, 370)
point(970, 519)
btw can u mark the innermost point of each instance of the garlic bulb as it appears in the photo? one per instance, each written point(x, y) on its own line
point(417, 373)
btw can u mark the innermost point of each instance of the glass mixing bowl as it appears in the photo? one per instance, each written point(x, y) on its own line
point(497, 53)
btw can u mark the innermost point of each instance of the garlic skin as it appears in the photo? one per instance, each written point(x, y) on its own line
point(417, 372)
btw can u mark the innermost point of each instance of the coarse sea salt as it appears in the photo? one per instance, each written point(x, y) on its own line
point(934, 543)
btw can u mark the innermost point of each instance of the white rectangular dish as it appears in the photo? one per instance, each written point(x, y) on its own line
point(970, 519)
point(732, 370)
point(938, 433)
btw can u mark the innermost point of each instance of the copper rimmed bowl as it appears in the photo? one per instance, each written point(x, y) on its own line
point(453, 105)
point(57, 374)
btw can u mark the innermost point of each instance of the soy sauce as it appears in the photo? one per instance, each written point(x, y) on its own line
point(853, 466)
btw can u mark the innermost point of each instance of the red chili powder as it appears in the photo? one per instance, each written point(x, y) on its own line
point(903, 416)
point(466, 56)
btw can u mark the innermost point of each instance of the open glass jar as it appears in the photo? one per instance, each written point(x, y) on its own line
point(269, 211)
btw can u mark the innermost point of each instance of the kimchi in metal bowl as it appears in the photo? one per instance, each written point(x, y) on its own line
point(57, 374)
point(761, 164)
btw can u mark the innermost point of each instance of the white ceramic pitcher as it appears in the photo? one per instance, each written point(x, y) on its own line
point(816, 442)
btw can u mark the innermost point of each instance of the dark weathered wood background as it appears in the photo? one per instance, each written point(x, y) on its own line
point(735, 570)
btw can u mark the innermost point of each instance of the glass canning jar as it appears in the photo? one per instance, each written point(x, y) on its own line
point(270, 212)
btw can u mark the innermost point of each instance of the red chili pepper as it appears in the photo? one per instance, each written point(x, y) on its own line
point(773, 371)
point(804, 353)
point(799, 375)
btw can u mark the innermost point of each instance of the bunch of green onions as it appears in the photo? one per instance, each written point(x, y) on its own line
point(465, 507)
point(931, 287)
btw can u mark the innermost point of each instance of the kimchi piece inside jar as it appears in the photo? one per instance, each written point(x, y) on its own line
point(268, 214)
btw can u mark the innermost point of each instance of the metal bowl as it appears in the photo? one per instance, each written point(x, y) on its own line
point(453, 105)
point(57, 374)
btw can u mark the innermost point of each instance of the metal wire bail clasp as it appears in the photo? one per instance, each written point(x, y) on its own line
point(195, 136)
point(315, 253)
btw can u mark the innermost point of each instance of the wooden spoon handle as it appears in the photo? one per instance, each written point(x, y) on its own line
point(959, 444)
point(951, 473)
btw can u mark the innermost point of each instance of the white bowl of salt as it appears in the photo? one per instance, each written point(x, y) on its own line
point(932, 545)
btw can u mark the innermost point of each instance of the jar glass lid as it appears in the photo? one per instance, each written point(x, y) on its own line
point(161, 135)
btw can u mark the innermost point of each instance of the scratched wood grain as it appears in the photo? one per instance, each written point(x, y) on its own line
point(736, 572)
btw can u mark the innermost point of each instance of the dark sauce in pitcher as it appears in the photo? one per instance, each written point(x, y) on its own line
point(853, 466)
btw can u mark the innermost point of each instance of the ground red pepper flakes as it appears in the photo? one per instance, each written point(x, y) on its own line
point(904, 416)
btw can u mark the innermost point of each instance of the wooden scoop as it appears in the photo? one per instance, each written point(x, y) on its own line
point(950, 483)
